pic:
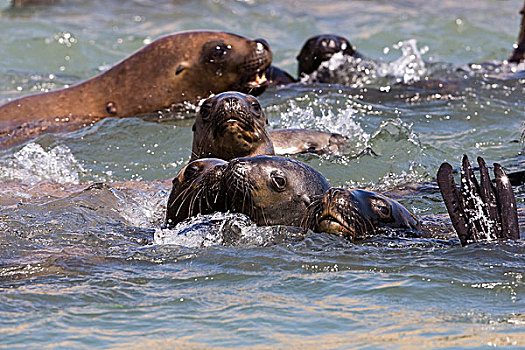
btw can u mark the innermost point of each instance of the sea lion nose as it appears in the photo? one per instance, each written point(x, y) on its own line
point(262, 45)
point(231, 103)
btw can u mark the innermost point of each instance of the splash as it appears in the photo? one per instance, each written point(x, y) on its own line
point(345, 70)
point(33, 163)
point(408, 68)
point(341, 121)
point(359, 71)
point(226, 229)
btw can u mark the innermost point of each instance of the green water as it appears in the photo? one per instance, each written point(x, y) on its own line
point(83, 271)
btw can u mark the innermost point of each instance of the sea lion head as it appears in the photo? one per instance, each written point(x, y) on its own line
point(319, 49)
point(195, 190)
point(357, 213)
point(227, 62)
point(271, 190)
point(230, 125)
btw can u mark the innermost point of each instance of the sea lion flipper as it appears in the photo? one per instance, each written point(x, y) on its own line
point(296, 141)
point(506, 205)
point(475, 210)
point(488, 196)
point(479, 211)
point(452, 199)
point(518, 54)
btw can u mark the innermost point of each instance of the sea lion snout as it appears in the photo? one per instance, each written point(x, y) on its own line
point(263, 45)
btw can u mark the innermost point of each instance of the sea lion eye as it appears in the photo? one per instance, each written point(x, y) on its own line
point(215, 51)
point(382, 208)
point(205, 110)
point(278, 181)
point(256, 107)
point(191, 172)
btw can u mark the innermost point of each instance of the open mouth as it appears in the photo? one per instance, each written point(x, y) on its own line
point(331, 224)
point(258, 81)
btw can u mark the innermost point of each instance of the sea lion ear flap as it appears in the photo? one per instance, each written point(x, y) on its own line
point(180, 68)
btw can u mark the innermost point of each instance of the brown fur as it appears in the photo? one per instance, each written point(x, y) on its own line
point(169, 71)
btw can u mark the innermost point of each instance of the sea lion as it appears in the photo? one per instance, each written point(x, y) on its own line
point(319, 49)
point(195, 190)
point(357, 213)
point(24, 3)
point(315, 51)
point(233, 124)
point(483, 211)
point(518, 55)
point(271, 190)
point(176, 68)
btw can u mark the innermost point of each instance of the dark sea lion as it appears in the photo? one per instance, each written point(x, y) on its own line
point(357, 213)
point(271, 190)
point(484, 211)
point(177, 68)
point(319, 49)
point(24, 3)
point(233, 124)
point(196, 190)
point(315, 51)
point(518, 55)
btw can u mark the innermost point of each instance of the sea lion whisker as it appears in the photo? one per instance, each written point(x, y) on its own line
point(197, 197)
point(185, 194)
point(308, 220)
point(203, 142)
point(192, 202)
point(177, 198)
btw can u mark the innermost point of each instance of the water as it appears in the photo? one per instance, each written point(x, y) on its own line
point(84, 263)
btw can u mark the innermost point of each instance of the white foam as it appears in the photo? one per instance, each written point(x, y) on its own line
point(214, 229)
point(34, 163)
point(355, 72)
point(324, 119)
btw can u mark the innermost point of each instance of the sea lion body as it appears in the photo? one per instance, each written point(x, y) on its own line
point(271, 190)
point(180, 67)
point(357, 213)
point(233, 124)
point(295, 141)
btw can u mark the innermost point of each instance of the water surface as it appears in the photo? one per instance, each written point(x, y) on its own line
point(79, 266)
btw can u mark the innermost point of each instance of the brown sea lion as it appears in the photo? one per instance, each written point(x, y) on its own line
point(271, 190)
point(230, 125)
point(196, 190)
point(357, 213)
point(233, 124)
point(177, 68)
